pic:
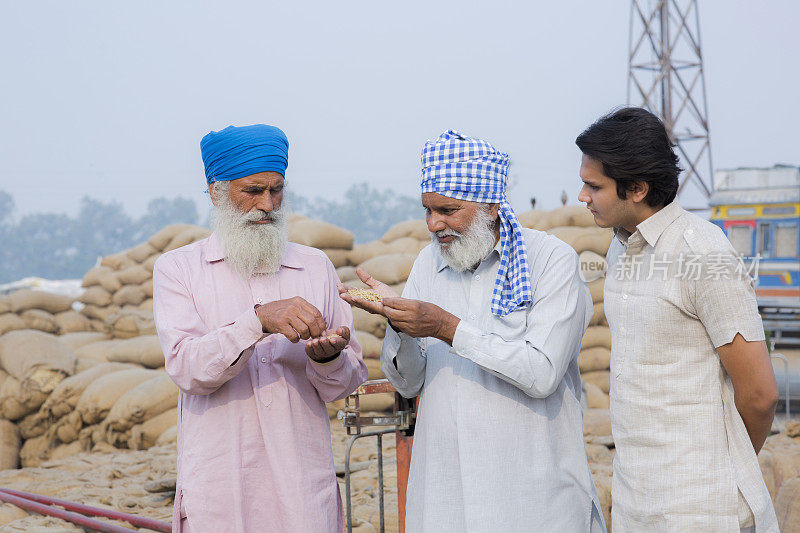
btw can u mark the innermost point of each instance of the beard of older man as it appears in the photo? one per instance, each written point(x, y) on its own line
point(469, 248)
point(250, 247)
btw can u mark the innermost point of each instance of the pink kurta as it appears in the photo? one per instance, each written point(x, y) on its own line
point(254, 450)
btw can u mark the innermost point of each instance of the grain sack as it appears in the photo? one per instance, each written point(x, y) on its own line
point(147, 307)
point(404, 245)
point(383, 402)
point(390, 268)
point(594, 358)
point(134, 275)
point(32, 425)
point(598, 316)
point(3, 376)
point(334, 408)
point(65, 396)
point(131, 323)
point(117, 261)
point(39, 320)
point(571, 215)
point(601, 378)
point(594, 240)
point(9, 513)
point(167, 437)
point(161, 238)
point(24, 351)
point(595, 397)
point(98, 325)
point(596, 289)
point(596, 422)
point(141, 252)
point(129, 294)
point(365, 321)
point(337, 256)
point(143, 402)
point(150, 262)
point(370, 344)
point(10, 322)
point(4, 307)
point(16, 402)
point(145, 435)
point(416, 229)
point(374, 368)
point(99, 313)
point(25, 299)
point(98, 350)
point(84, 363)
point(147, 287)
point(787, 506)
point(36, 451)
point(398, 287)
point(144, 350)
point(66, 450)
point(596, 336)
point(95, 295)
point(320, 234)
point(187, 236)
point(346, 273)
point(767, 464)
point(100, 396)
point(368, 250)
point(10, 443)
point(72, 321)
point(109, 281)
point(92, 277)
point(529, 219)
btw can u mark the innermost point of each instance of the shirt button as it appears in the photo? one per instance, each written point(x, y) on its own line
point(622, 329)
point(478, 277)
point(263, 359)
point(473, 316)
point(689, 231)
point(624, 296)
point(259, 300)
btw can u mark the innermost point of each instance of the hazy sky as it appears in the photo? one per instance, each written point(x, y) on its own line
point(110, 99)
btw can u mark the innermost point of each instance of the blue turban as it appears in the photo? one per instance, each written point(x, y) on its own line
point(472, 169)
point(239, 151)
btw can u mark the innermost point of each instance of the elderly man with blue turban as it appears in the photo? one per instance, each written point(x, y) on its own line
point(488, 331)
point(257, 340)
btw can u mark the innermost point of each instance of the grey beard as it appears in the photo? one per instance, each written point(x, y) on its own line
point(470, 248)
point(251, 248)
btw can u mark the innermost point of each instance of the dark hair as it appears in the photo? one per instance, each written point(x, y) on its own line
point(633, 145)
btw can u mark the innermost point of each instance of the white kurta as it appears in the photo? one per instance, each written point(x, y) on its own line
point(498, 444)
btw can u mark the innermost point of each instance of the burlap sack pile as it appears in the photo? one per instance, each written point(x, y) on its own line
point(40, 310)
point(333, 240)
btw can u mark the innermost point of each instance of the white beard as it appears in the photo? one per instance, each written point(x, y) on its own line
point(470, 248)
point(251, 248)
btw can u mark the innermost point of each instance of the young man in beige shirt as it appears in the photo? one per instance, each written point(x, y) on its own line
point(693, 393)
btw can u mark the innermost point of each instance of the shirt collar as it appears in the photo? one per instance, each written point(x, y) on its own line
point(652, 227)
point(442, 264)
point(214, 252)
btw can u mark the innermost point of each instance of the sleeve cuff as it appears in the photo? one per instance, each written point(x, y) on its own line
point(326, 369)
point(750, 334)
point(464, 339)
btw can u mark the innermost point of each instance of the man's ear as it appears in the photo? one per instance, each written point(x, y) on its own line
point(211, 193)
point(638, 191)
point(493, 210)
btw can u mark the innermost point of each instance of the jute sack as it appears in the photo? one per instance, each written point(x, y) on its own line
point(3, 376)
point(117, 261)
point(39, 320)
point(65, 396)
point(100, 396)
point(416, 229)
point(98, 350)
point(25, 299)
point(787, 505)
point(383, 402)
point(10, 322)
point(95, 295)
point(594, 358)
point(596, 422)
point(601, 378)
point(36, 451)
point(595, 397)
point(390, 268)
point(404, 245)
point(145, 435)
point(596, 336)
point(10, 513)
point(370, 345)
point(62, 451)
point(596, 240)
point(147, 306)
point(16, 402)
point(596, 289)
point(85, 363)
point(599, 315)
point(99, 313)
point(366, 251)
point(129, 323)
point(161, 239)
point(128, 294)
point(167, 437)
point(571, 215)
point(93, 275)
point(24, 351)
point(141, 252)
point(346, 273)
point(10, 443)
point(320, 234)
point(109, 281)
point(72, 321)
point(147, 287)
point(365, 321)
point(150, 262)
point(374, 368)
point(767, 464)
point(529, 219)
point(337, 256)
point(134, 275)
point(4, 307)
point(146, 400)
point(144, 350)
point(187, 236)
point(32, 425)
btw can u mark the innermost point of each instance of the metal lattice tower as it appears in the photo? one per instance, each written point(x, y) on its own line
point(665, 76)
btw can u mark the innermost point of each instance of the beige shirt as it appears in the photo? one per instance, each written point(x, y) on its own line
point(675, 292)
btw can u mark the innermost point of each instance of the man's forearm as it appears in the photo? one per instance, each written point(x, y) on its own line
point(757, 420)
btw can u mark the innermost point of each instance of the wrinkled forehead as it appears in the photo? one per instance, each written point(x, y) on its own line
point(432, 200)
point(265, 180)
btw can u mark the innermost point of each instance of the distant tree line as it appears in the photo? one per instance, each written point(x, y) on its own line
point(60, 246)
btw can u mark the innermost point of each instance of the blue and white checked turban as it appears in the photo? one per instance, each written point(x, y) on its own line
point(472, 169)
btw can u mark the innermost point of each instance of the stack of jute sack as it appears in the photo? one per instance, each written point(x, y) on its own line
point(336, 242)
point(40, 310)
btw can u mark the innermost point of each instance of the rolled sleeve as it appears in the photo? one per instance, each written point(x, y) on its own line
point(727, 307)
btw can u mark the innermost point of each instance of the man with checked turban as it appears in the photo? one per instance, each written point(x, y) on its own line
point(488, 331)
